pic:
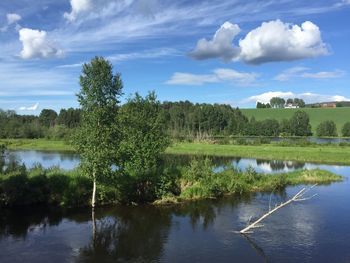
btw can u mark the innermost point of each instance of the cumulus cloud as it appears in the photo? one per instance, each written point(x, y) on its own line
point(302, 72)
point(36, 45)
point(220, 46)
point(308, 97)
point(272, 41)
point(217, 76)
point(11, 18)
point(30, 108)
point(78, 7)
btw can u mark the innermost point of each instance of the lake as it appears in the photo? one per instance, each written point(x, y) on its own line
point(316, 230)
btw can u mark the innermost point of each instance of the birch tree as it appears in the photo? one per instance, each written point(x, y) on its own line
point(97, 138)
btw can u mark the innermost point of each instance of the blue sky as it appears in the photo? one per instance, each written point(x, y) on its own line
point(218, 51)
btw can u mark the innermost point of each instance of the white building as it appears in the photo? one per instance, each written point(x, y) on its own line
point(291, 106)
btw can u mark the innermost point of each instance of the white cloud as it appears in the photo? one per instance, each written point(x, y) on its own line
point(147, 54)
point(302, 72)
point(342, 3)
point(78, 7)
point(11, 18)
point(272, 41)
point(290, 73)
point(217, 76)
point(220, 46)
point(308, 97)
point(324, 74)
point(265, 97)
point(31, 108)
point(277, 41)
point(35, 44)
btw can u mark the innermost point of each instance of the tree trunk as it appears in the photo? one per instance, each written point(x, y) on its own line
point(93, 199)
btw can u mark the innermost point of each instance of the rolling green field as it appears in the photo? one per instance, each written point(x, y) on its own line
point(317, 115)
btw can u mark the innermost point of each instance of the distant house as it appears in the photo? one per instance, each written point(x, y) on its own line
point(328, 105)
point(291, 106)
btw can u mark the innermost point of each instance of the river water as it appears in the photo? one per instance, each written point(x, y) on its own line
point(316, 230)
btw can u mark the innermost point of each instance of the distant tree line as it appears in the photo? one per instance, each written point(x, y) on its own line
point(48, 124)
point(277, 102)
point(182, 119)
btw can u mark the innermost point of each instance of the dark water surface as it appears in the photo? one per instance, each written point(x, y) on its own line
point(316, 230)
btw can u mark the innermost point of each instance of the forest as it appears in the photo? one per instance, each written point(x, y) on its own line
point(183, 120)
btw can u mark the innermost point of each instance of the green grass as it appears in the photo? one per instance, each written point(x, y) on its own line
point(317, 115)
point(332, 154)
point(199, 181)
point(37, 144)
point(319, 154)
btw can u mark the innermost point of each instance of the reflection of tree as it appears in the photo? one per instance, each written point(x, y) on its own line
point(18, 222)
point(278, 165)
point(122, 234)
point(128, 235)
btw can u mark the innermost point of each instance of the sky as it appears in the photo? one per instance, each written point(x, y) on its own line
point(235, 52)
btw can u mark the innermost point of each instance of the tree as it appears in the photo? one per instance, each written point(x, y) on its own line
point(47, 117)
point(327, 128)
point(290, 101)
point(346, 130)
point(277, 102)
point(299, 102)
point(144, 140)
point(300, 124)
point(97, 139)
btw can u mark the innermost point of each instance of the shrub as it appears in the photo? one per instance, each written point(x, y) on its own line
point(326, 128)
point(346, 130)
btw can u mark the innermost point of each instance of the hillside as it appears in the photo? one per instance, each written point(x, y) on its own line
point(317, 115)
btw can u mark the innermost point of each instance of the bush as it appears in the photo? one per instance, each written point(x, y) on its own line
point(346, 130)
point(326, 128)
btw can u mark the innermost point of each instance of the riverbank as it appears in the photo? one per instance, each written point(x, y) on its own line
point(37, 144)
point(328, 154)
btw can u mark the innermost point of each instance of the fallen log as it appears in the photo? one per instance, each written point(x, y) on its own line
point(296, 198)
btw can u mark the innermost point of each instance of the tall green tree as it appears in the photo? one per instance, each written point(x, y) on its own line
point(97, 138)
point(144, 140)
point(47, 117)
point(300, 124)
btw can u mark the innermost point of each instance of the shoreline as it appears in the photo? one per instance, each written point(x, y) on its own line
point(327, 154)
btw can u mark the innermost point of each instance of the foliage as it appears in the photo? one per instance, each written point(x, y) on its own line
point(97, 139)
point(144, 139)
point(327, 128)
point(47, 118)
point(277, 102)
point(346, 129)
point(260, 105)
point(201, 181)
point(300, 124)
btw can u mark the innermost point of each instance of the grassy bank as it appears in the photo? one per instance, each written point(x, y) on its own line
point(317, 115)
point(332, 154)
point(37, 144)
point(23, 187)
point(319, 154)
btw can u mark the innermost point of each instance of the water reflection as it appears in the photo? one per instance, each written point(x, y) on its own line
point(191, 232)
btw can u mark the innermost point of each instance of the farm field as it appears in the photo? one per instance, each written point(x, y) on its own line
point(317, 115)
